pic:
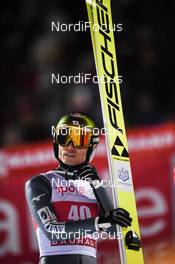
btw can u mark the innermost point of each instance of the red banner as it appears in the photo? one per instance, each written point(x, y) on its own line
point(152, 152)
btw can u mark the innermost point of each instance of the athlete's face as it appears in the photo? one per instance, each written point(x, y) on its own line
point(72, 156)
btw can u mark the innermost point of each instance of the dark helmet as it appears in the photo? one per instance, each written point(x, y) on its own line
point(78, 128)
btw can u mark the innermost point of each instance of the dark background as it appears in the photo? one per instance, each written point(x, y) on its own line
point(30, 52)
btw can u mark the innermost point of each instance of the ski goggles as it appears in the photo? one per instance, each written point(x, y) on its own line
point(81, 137)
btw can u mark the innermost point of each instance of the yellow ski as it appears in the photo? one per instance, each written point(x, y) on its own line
point(100, 18)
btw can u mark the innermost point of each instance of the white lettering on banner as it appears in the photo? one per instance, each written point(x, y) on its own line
point(23, 159)
point(3, 164)
point(10, 224)
point(30, 159)
point(153, 141)
point(44, 154)
point(158, 208)
point(154, 229)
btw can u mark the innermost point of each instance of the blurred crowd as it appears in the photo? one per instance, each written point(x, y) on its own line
point(31, 52)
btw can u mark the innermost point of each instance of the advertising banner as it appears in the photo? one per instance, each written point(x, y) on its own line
point(151, 150)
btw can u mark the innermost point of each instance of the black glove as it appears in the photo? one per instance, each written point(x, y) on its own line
point(117, 216)
point(88, 173)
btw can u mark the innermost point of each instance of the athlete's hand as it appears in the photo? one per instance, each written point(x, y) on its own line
point(117, 216)
point(88, 173)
